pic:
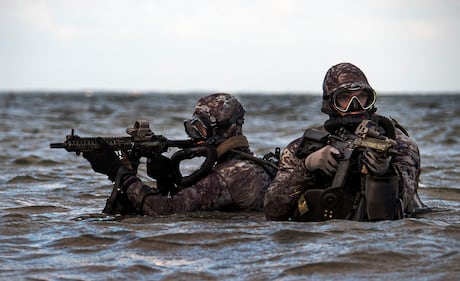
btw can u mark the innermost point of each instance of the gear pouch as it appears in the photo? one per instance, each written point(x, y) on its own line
point(323, 204)
point(381, 194)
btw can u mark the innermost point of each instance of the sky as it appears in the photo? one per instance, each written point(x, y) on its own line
point(235, 46)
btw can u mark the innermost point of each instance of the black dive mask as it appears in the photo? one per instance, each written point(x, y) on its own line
point(196, 128)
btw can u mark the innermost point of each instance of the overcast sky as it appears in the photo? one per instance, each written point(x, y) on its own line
point(230, 46)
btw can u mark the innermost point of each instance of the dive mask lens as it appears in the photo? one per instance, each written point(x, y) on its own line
point(195, 128)
point(348, 101)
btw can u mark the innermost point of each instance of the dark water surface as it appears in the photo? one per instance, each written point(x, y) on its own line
point(51, 226)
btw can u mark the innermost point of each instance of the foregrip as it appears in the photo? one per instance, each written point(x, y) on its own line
point(78, 144)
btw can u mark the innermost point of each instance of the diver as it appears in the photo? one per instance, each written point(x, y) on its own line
point(235, 182)
point(376, 186)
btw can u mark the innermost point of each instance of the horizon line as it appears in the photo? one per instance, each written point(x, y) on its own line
point(196, 92)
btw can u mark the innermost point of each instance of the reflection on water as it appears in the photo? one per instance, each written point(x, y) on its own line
point(52, 228)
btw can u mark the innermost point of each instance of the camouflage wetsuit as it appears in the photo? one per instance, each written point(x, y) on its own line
point(292, 178)
point(232, 185)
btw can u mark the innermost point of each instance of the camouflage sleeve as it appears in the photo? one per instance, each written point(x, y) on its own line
point(233, 185)
point(247, 183)
point(407, 166)
point(284, 191)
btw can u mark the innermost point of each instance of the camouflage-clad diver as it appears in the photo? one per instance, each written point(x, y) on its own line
point(299, 191)
point(233, 184)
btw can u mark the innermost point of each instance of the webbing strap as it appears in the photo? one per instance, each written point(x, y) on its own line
point(232, 143)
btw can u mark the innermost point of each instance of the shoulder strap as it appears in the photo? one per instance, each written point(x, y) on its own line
point(241, 142)
point(270, 167)
point(399, 126)
point(232, 143)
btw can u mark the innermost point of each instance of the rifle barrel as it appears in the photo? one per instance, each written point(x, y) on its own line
point(57, 145)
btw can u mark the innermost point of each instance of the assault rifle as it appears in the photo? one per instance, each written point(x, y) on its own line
point(330, 203)
point(143, 142)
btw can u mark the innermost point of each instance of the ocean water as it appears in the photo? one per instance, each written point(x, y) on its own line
point(51, 226)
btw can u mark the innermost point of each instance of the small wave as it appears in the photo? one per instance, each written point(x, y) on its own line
point(323, 269)
point(191, 276)
point(44, 209)
point(23, 179)
point(209, 239)
point(98, 217)
point(293, 236)
point(83, 241)
point(34, 160)
point(27, 160)
point(140, 270)
point(14, 217)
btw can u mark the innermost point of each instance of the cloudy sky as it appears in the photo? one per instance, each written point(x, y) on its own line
point(232, 46)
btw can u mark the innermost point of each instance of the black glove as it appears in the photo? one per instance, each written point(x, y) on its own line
point(134, 159)
point(104, 161)
point(376, 163)
point(160, 168)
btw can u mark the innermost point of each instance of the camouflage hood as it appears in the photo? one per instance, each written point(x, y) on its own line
point(342, 76)
point(222, 114)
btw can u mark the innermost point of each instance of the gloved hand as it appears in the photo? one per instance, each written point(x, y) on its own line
point(104, 161)
point(161, 169)
point(376, 163)
point(134, 159)
point(323, 159)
